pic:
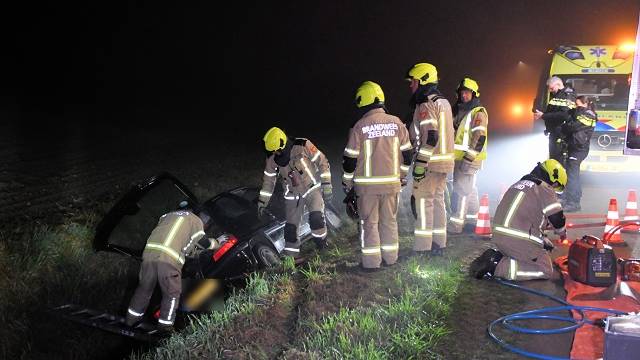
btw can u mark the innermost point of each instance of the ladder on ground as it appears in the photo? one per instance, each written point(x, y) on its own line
point(107, 322)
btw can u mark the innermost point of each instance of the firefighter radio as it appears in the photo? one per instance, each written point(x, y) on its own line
point(592, 263)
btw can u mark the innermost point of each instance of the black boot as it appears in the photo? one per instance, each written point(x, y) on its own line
point(436, 250)
point(321, 244)
point(485, 265)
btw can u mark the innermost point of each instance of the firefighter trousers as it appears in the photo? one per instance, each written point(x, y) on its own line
point(378, 229)
point(464, 200)
point(168, 276)
point(294, 209)
point(522, 260)
point(431, 214)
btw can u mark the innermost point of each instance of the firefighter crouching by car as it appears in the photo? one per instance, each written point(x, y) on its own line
point(562, 100)
point(470, 149)
point(296, 162)
point(526, 209)
point(376, 160)
point(171, 240)
point(432, 128)
point(577, 131)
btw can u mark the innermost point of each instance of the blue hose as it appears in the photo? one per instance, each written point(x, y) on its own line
point(539, 314)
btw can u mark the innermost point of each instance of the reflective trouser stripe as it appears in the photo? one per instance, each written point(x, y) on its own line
point(291, 249)
point(530, 273)
point(518, 234)
point(167, 250)
point(130, 311)
point(319, 235)
point(513, 269)
point(165, 322)
point(389, 247)
point(173, 304)
point(371, 250)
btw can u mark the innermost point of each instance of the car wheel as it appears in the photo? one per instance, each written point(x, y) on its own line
point(266, 255)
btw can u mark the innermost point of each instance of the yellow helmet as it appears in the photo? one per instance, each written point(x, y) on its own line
point(557, 174)
point(423, 72)
point(275, 139)
point(469, 84)
point(369, 93)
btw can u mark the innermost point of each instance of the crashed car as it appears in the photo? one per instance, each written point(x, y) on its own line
point(248, 241)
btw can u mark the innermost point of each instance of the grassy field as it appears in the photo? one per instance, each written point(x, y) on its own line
point(46, 266)
point(326, 308)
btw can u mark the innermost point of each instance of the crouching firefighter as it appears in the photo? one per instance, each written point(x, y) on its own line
point(171, 240)
point(375, 163)
point(528, 207)
point(296, 162)
point(470, 149)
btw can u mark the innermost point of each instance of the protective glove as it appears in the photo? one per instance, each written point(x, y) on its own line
point(418, 173)
point(327, 192)
point(346, 188)
point(261, 207)
point(562, 232)
point(548, 244)
point(403, 181)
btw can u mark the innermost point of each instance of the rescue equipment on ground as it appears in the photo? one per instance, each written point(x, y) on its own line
point(483, 224)
point(613, 220)
point(622, 337)
point(508, 321)
point(630, 269)
point(592, 262)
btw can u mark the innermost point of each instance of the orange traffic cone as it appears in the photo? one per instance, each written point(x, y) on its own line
point(612, 221)
point(483, 224)
point(631, 212)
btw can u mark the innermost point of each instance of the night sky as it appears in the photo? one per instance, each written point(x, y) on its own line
point(293, 64)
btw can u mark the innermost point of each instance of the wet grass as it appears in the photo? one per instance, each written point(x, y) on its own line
point(46, 267)
point(326, 309)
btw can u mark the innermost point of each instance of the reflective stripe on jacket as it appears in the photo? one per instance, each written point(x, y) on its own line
point(377, 142)
point(174, 237)
point(469, 133)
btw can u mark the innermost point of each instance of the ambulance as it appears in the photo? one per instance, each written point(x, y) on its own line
point(602, 72)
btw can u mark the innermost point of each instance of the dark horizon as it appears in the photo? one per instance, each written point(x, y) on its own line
point(297, 65)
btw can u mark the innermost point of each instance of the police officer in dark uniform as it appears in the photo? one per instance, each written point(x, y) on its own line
point(577, 132)
point(562, 100)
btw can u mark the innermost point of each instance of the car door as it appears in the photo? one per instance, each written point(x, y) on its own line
point(126, 227)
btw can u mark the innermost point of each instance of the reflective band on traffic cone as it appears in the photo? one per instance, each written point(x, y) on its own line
point(631, 212)
point(612, 221)
point(483, 224)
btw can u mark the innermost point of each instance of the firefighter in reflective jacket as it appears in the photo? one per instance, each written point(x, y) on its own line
point(171, 240)
point(432, 130)
point(577, 131)
point(296, 162)
point(376, 160)
point(562, 100)
point(525, 211)
point(470, 123)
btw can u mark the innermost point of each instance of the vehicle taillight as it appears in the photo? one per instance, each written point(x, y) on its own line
point(227, 245)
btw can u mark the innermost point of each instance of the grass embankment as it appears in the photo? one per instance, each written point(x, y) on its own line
point(328, 309)
point(43, 267)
